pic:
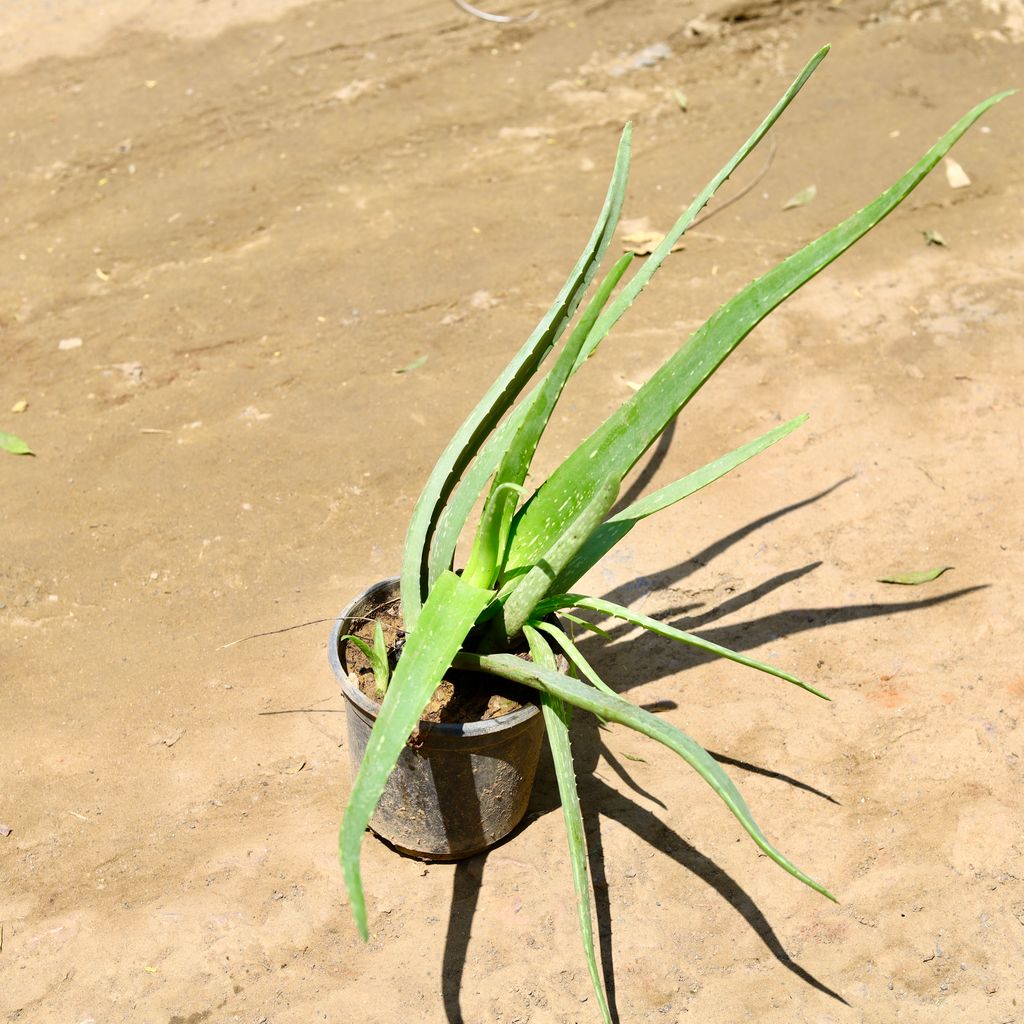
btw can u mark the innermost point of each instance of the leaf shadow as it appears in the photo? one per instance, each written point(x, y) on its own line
point(589, 749)
point(740, 637)
point(667, 578)
point(650, 830)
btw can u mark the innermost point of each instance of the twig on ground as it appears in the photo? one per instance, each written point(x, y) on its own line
point(742, 192)
point(311, 709)
point(271, 632)
point(501, 19)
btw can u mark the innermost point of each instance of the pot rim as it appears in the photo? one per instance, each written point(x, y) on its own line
point(370, 707)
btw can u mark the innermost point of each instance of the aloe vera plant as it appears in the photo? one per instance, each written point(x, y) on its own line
point(529, 551)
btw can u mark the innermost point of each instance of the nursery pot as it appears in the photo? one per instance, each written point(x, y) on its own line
point(459, 787)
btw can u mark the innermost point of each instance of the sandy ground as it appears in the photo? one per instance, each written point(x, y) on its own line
point(252, 215)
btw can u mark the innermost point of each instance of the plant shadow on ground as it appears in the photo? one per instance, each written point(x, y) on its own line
point(597, 798)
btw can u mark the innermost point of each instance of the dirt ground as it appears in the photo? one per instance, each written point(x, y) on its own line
point(242, 220)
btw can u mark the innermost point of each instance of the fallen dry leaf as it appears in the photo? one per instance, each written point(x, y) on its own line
point(354, 89)
point(410, 367)
point(802, 198)
point(912, 579)
point(643, 243)
point(955, 174)
point(14, 445)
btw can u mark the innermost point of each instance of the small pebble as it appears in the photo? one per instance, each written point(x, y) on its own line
point(66, 344)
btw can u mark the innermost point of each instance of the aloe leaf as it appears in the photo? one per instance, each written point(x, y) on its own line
point(465, 498)
point(515, 462)
point(585, 624)
point(574, 654)
point(556, 722)
point(639, 281)
point(534, 584)
point(517, 450)
point(617, 444)
point(506, 437)
point(382, 670)
point(376, 655)
point(447, 617)
point(500, 396)
point(491, 538)
point(540, 404)
point(708, 474)
point(360, 643)
point(609, 533)
point(456, 512)
point(549, 605)
point(616, 709)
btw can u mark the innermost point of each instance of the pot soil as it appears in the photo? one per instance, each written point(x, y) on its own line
point(463, 781)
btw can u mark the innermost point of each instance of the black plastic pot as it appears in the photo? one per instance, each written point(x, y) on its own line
point(461, 787)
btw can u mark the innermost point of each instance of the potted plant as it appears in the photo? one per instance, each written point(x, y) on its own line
point(493, 617)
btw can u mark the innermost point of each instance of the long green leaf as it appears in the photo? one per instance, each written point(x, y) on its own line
point(574, 654)
point(501, 395)
point(626, 298)
point(617, 444)
point(536, 583)
point(616, 709)
point(382, 670)
point(446, 619)
point(492, 533)
point(491, 539)
point(609, 533)
point(452, 521)
point(519, 452)
point(556, 722)
point(552, 604)
point(515, 462)
point(585, 624)
point(457, 511)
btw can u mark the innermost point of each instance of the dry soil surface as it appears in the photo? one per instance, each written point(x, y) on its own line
point(227, 229)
